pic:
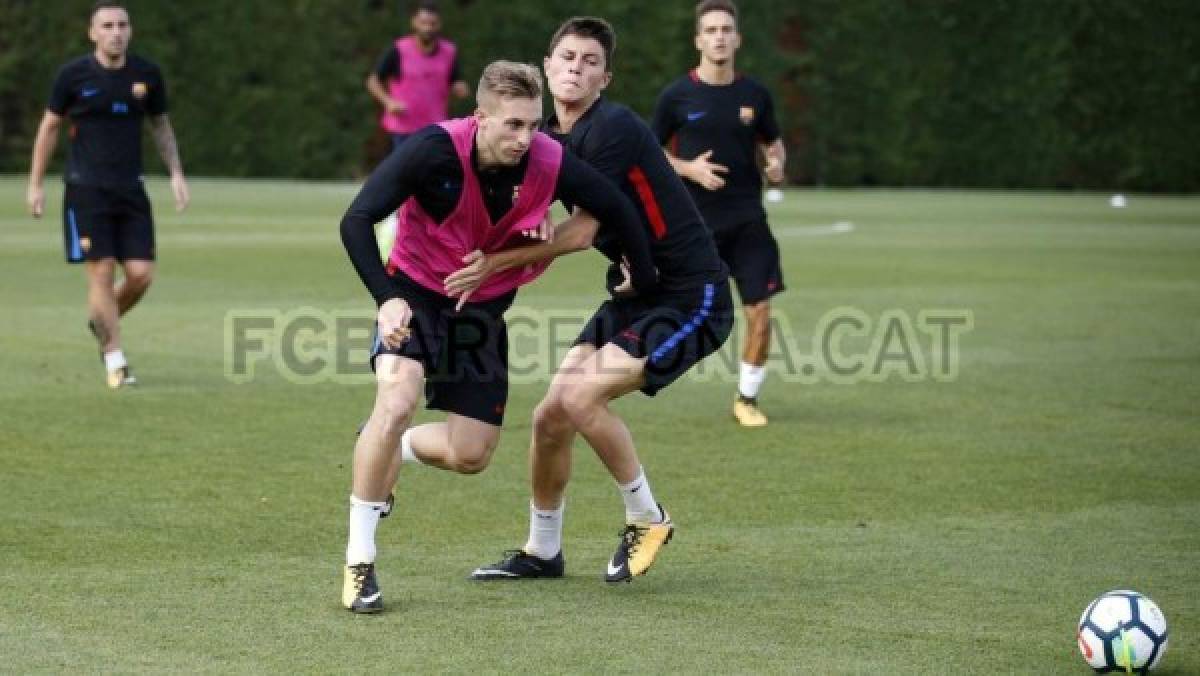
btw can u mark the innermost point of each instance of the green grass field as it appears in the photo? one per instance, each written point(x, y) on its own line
point(194, 524)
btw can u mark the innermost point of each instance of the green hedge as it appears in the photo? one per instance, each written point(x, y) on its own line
point(1006, 93)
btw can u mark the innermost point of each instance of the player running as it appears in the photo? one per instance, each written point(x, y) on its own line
point(714, 123)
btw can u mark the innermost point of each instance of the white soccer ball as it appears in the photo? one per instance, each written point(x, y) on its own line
point(1122, 631)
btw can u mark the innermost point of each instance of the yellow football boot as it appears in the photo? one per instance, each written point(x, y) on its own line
point(747, 413)
point(639, 547)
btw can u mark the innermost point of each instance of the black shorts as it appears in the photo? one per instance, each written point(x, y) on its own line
point(674, 330)
point(107, 223)
point(465, 354)
point(752, 254)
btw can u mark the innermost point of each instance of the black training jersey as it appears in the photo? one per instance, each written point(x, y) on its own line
point(105, 110)
point(614, 140)
point(731, 120)
point(426, 168)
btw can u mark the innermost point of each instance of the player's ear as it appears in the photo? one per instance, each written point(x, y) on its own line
point(607, 79)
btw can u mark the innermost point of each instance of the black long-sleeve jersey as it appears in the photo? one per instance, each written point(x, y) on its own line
point(614, 140)
point(426, 167)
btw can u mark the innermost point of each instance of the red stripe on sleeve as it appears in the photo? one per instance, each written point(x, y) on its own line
point(638, 178)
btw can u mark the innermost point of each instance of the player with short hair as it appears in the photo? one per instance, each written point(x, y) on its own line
point(480, 183)
point(714, 122)
point(416, 74)
point(643, 343)
point(107, 218)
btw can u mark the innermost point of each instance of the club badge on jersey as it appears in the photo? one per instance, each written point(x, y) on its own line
point(746, 114)
point(139, 90)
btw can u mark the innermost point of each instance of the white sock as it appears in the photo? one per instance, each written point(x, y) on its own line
point(640, 506)
point(407, 455)
point(751, 379)
point(364, 517)
point(545, 532)
point(115, 360)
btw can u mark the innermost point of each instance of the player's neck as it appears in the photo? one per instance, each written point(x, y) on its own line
point(484, 159)
point(568, 113)
point(713, 73)
point(427, 47)
point(110, 62)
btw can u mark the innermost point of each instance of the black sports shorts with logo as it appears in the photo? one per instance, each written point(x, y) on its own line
point(752, 254)
point(107, 223)
point(465, 354)
point(674, 330)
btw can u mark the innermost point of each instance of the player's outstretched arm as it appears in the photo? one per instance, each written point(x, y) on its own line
point(43, 148)
point(574, 234)
point(168, 150)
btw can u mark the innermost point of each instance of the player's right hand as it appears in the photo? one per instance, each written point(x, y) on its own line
point(396, 106)
point(35, 198)
point(705, 172)
point(394, 316)
point(466, 280)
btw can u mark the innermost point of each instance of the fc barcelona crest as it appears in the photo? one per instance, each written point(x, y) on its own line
point(746, 115)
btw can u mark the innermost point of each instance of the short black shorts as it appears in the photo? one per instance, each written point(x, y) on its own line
point(107, 223)
point(752, 254)
point(465, 354)
point(674, 330)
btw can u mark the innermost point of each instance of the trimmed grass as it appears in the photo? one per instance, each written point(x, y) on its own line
point(197, 525)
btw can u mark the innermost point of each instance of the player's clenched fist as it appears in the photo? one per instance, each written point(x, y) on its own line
point(394, 316)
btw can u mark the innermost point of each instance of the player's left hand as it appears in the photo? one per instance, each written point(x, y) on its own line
point(773, 170)
point(463, 282)
point(179, 186)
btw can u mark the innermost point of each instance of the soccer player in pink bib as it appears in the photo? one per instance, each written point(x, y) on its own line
point(415, 76)
point(480, 184)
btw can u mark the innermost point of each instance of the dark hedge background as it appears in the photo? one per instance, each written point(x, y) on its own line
point(972, 93)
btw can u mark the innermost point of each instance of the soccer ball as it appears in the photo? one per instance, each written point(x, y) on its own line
point(1122, 631)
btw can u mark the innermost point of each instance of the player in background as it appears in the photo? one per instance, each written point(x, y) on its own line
point(415, 76)
point(714, 123)
point(412, 82)
point(643, 343)
point(107, 220)
point(476, 184)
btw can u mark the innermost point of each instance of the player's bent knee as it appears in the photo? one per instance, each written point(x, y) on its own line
point(396, 408)
point(551, 419)
point(472, 457)
point(580, 405)
point(139, 282)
